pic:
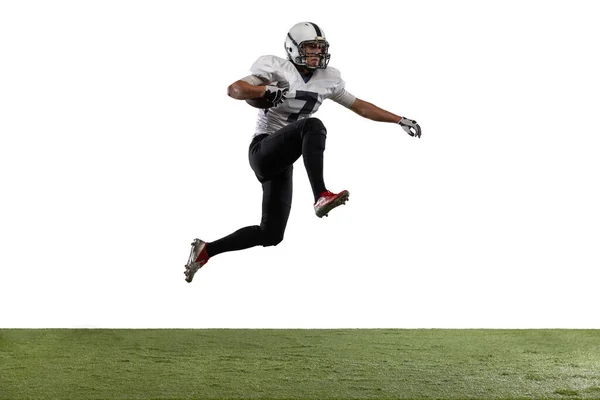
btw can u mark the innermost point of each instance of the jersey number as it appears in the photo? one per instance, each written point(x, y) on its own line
point(310, 98)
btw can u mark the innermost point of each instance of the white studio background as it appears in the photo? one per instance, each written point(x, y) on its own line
point(119, 146)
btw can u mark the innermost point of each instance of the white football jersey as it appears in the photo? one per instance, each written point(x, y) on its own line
point(303, 98)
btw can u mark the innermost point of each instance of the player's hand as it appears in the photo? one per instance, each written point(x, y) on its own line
point(411, 127)
point(275, 95)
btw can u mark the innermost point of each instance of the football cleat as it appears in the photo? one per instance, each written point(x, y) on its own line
point(328, 201)
point(198, 257)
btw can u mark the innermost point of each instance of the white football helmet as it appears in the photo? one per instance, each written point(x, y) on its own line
point(301, 34)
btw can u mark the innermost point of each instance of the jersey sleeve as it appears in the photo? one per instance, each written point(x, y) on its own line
point(269, 68)
point(344, 98)
point(340, 95)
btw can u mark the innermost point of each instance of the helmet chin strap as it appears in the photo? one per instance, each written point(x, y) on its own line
point(305, 65)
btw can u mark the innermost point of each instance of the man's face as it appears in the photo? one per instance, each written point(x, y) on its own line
point(313, 48)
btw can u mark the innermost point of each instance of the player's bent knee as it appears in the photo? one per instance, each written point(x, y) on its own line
point(272, 239)
point(314, 126)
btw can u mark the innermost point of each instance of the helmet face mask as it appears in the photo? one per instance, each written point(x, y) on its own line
point(307, 52)
point(306, 42)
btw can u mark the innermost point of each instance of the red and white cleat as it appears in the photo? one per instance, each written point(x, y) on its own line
point(328, 201)
point(198, 257)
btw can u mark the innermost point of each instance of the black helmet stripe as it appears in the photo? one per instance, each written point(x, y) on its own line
point(292, 39)
point(316, 29)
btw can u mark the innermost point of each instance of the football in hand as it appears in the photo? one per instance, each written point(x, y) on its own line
point(260, 102)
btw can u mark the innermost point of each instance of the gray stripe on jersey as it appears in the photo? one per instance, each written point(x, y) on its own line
point(344, 98)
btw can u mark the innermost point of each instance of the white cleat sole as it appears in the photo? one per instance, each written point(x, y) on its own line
point(190, 271)
point(192, 267)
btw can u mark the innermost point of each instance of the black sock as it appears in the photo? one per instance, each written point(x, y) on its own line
point(313, 146)
point(243, 238)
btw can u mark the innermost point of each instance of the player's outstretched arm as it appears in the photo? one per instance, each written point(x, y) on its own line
point(372, 112)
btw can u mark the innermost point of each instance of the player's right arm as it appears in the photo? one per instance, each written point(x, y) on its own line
point(242, 90)
point(252, 87)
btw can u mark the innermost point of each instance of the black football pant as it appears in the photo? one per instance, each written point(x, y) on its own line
point(272, 158)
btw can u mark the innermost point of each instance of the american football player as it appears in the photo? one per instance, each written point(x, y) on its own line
point(292, 88)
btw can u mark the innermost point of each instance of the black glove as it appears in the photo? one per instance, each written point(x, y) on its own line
point(275, 95)
point(411, 127)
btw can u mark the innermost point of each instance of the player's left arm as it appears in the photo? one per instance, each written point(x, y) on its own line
point(372, 112)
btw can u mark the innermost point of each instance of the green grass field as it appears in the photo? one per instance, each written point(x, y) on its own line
point(299, 364)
